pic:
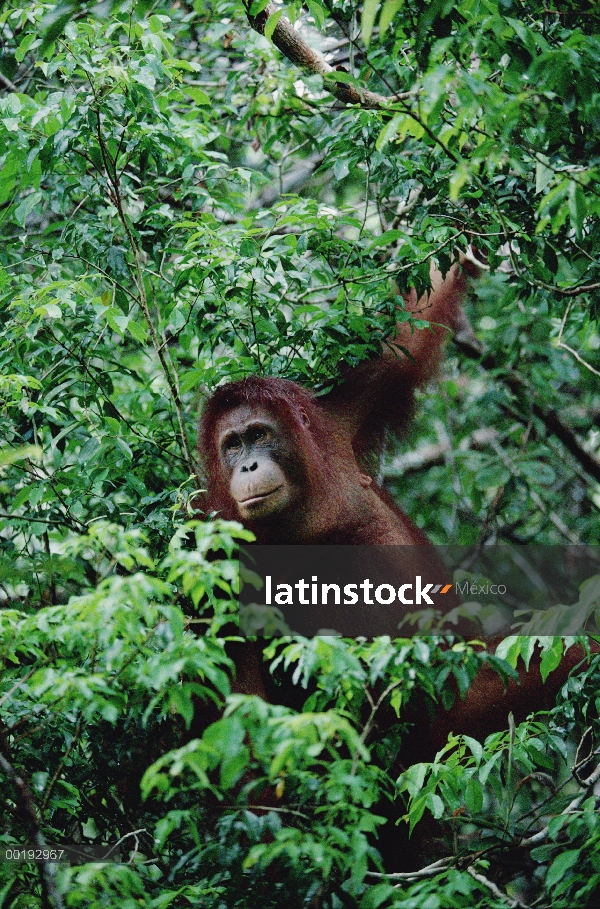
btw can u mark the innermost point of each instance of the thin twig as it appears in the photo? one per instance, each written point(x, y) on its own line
point(374, 708)
point(142, 299)
point(428, 871)
point(494, 890)
point(20, 682)
point(560, 342)
point(281, 810)
point(7, 83)
point(553, 422)
point(573, 805)
point(61, 764)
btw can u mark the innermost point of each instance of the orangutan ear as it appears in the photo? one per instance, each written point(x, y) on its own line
point(304, 418)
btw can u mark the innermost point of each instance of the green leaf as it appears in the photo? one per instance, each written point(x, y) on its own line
point(538, 472)
point(435, 805)
point(525, 34)
point(551, 657)
point(257, 7)
point(473, 796)
point(369, 12)
point(459, 178)
point(137, 331)
point(561, 865)
point(22, 496)
point(24, 46)
point(24, 452)
point(146, 77)
point(492, 476)
point(117, 320)
point(577, 207)
point(388, 237)
point(388, 11)
point(475, 746)
point(543, 174)
point(271, 23)
point(390, 130)
point(197, 94)
point(339, 76)
point(54, 22)
point(376, 895)
point(509, 649)
point(317, 12)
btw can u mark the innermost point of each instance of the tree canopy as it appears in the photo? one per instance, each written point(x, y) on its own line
point(192, 192)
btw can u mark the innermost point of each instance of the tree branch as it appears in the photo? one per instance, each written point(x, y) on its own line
point(436, 453)
point(288, 41)
point(571, 808)
point(493, 888)
point(162, 352)
point(550, 418)
point(27, 812)
point(7, 83)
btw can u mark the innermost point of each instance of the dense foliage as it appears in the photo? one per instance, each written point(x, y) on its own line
point(181, 205)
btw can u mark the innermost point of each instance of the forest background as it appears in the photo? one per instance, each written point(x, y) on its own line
point(181, 204)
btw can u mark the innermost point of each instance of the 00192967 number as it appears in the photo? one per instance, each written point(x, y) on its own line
point(72, 854)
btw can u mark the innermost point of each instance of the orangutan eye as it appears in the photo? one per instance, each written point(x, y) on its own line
point(257, 434)
point(233, 444)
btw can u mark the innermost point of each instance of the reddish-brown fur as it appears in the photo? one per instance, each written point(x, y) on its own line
point(340, 436)
point(337, 438)
point(337, 506)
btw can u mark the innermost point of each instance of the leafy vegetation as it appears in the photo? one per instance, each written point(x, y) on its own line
point(180, 205)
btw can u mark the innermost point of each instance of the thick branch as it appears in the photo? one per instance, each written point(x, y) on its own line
point(288, 41)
